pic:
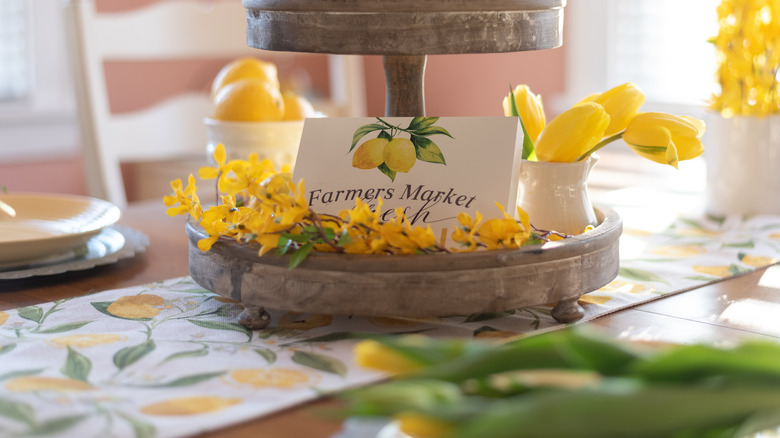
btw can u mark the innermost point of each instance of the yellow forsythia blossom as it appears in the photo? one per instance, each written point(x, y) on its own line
point(263, 206)
point(748, 55)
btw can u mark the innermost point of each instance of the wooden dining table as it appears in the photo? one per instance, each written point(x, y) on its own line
point(706, 314)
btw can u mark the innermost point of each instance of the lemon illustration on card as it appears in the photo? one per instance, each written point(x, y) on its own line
point(396, 149)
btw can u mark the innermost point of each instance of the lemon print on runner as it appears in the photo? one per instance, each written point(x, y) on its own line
point(370, 154)
point(85, 340)
point(621, 286)
point(190, 405)
point(245, 68)
point(3, 317)
point(35, 383)
point(715, 271)
point(296, 107)
point(399, 155)
point(757, 261)
point(678, 250)
point(136, 306)
point(249, 100)
point(281, 378)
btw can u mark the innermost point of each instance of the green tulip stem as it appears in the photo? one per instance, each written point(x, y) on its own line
point(600, 145)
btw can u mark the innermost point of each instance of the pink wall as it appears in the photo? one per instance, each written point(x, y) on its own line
point(455, 85)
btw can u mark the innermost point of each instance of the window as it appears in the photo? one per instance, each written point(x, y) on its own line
point(37, 106)
point(14, 59)
point(661, 45)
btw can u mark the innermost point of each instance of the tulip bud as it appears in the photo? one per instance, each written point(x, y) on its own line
point(573, 133)
point(529, 106)
point(665, 138)
point(622, 103)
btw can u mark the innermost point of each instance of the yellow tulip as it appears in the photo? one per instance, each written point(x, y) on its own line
point(418, 425)
point(529, 106)
point(372, 354)
point(573, 133)
point(622, 103)
point(665, 138)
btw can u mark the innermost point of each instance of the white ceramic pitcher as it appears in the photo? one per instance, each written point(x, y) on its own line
point(555, 195)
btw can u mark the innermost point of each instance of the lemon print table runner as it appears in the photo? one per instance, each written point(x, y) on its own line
point(168, 359)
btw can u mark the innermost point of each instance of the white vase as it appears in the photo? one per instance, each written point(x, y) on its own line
point(743, 165)
point(555, 195)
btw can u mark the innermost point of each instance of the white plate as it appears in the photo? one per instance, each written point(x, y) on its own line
point(109, 246)
point(50, 224)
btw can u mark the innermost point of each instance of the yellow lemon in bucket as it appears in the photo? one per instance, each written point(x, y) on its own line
point(296, 107)
point(248, 100)
point(245, 68)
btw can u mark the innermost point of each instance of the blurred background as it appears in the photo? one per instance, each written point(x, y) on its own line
point(661, 45)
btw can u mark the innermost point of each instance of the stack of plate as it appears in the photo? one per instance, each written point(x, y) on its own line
point(53, 233)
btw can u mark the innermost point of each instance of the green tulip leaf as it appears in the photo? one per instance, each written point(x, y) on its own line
point(320, 362)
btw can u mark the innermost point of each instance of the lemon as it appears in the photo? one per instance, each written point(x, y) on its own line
point(245, 68)
point(190, 405)
point(370, 154)
point(248, 100)
point(399, 155)
point(296, 107)
point(274, 378)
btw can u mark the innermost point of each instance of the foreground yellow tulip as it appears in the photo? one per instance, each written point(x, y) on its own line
point(529, 106)
point(418, 425)
point(372, 354)
point(622, 103)
point(665, 138)
point(573, 133)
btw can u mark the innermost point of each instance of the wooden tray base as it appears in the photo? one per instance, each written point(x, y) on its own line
point(412, 285)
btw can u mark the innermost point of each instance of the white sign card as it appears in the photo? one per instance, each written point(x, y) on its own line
point(434, 168)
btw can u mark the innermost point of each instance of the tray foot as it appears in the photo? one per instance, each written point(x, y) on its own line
point(254, 318)
point(568, 311)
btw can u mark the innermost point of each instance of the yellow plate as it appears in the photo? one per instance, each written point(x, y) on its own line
point(49, 224)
